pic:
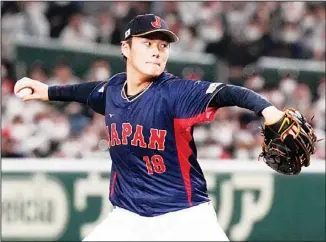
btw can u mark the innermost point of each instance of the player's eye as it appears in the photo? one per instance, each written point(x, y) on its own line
point(164, 46)
point(147, 43)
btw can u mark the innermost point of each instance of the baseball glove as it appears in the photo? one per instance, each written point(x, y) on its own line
point(288, 143)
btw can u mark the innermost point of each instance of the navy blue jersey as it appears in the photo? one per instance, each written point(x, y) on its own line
point(154, 164)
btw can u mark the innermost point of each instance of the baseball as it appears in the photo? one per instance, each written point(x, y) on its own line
point(24, 92)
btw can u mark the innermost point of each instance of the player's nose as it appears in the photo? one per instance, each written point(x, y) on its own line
point(155, 51)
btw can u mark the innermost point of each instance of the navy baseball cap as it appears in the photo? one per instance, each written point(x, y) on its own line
point(142, 25)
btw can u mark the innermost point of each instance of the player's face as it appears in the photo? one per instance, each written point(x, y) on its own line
point(148, 54)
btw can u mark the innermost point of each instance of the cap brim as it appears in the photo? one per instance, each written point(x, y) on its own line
point(172, 36)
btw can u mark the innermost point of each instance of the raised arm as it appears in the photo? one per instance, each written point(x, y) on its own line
point(85, 93)
point(72, 93)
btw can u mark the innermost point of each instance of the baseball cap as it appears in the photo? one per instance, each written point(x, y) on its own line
point(149, 23)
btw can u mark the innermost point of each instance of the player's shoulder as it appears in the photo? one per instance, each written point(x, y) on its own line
point(117, 79)
point(166, 80)
point(169, 82)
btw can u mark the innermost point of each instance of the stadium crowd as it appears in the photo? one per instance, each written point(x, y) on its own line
point(237, 33)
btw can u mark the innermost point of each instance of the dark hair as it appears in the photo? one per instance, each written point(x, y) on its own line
point(129, 42)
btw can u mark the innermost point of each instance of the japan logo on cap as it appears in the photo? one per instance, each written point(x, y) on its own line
point(157, 23)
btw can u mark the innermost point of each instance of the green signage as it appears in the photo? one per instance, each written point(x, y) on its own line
point(66, 206)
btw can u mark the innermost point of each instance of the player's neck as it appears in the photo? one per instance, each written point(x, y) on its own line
point(136, 82)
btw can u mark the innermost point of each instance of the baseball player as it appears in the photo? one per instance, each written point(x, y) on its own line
point(157, 187)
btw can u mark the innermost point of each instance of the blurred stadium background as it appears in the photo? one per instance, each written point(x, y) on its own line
point(274, 48)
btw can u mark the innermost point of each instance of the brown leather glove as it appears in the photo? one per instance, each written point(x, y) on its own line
point(288, 143)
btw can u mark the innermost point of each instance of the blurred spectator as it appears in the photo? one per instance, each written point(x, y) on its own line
point(63, 74)
point(210, 10)
point(212, 30)
point(254, 39)
point(7, 146)
point(244, 141)
point(223, 127)
point(214, 34)
point(79, 31)
point(318, 109)
point(288, 29)
point(99, 71)
point(21, 19)
point(289, 44)
point(288, 85)
point(137, 8)
point(321, 88)
point(69, 148)
point(106, 23)
point(6, 71)
point(58, 14)
point(189, 41)
point(258, 40)
point(38, 72)
point(174, 22)
point(292, 12)
point(170, 7)
point(237, 16)
point(302, 97)
point(25, 18)
point(92, 9)
point(192, 73)
point(121, 9)
point(120, 12)
point(189, 12)
point(255, 82)
point(290, 33)
point(78, 121)
point(125, 12)
point(36, 24)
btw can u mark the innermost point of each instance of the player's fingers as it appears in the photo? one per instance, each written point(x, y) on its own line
point(19, 86)
point(22, 83)
point(30, 97)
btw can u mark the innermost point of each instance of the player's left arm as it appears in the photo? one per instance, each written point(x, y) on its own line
point(289, 139)
point(231, 95)
point(191, 99)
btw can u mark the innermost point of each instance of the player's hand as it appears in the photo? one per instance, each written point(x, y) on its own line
point(272, 114)
point(40, 90)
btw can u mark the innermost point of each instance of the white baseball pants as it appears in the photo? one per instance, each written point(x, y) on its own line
point(192, 224)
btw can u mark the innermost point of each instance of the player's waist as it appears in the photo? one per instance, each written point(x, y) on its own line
point(197, 208)
point(150, 207)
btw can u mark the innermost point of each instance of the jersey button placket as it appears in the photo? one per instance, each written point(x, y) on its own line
point(127, 120)
point(128, 110)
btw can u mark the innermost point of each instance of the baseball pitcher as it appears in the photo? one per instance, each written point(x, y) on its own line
point(157, 187)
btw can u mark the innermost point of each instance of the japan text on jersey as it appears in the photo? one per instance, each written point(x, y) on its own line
point(154, 164)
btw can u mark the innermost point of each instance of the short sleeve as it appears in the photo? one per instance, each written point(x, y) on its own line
point(190, 99)
point(96, 99)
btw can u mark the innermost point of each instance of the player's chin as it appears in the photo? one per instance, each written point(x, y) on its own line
point(154, 71)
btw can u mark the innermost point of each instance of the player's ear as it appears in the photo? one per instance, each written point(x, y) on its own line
point(125, 48)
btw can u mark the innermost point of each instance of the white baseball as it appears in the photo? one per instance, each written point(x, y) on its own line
point(24, 92)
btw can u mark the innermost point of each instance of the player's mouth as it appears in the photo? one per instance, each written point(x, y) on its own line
point(154, 63)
